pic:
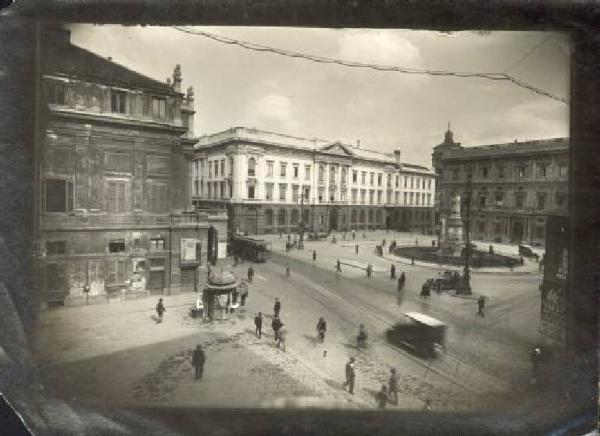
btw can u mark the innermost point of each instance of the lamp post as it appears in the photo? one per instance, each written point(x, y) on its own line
point(301, 239)
point(467, 269)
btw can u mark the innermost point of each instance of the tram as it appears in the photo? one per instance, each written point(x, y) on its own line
point(253, 249)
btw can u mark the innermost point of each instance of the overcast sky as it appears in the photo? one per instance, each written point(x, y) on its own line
point(384, 110)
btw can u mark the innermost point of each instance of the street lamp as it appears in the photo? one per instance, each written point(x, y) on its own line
point(467, 270)
point(301, 226)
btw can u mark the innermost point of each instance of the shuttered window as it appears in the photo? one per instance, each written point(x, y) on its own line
point(116, 192)
point(58, 195)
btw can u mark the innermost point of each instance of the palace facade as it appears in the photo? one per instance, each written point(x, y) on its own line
point(114, 217)
point(268, 181)
point(514, 186)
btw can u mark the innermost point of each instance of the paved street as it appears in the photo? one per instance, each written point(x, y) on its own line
point(125, 357)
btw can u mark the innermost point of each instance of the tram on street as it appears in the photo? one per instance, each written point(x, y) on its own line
point(253, 249)
point(419, 333)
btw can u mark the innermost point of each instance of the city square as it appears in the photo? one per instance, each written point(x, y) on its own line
point(308, 244)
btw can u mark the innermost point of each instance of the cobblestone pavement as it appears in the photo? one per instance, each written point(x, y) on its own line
point(118, 354)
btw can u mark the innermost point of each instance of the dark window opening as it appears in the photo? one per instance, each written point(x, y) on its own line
point(59, 196)
point(116, 246)
point(56, 247)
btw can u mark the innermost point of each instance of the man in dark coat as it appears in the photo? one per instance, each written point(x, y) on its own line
point(321, 329)
point(258, 324)
point(481, 306)
point(198, 359)
point(402, 278)
point(250, 274)
point(277, 307)
point(393, 271)
point(338, 266)
point(393, 387)
point(356, 249)
point(276, 325)
point(350, 375)
point(382, 397)
point(314, 255)
point(160, 309)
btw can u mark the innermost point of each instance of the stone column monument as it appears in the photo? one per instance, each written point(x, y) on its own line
point(452, 236)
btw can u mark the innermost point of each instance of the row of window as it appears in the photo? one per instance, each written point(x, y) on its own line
point(112, 246)
point(362, 216)
point(484, 199)
point(542, 170)
point(58, 93)
point(58, 196)
point(217, 167)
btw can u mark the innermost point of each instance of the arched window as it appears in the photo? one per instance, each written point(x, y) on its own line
point(281, 217)
point(251, 167)
point(268, 217)
point(295, 217)
point(353, 216)
point(371, 215)
point(362, 216)
point(379, 216)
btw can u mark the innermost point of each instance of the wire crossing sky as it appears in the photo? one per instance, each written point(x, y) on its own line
point(390, 88)
point(346, 63)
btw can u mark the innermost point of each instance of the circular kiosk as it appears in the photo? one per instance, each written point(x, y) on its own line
point(220, 294)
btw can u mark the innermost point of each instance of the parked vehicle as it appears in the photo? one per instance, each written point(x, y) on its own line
point(446, 281)
point(317, 236)
point(526, 251)
point(419, 333)
point(256, 250)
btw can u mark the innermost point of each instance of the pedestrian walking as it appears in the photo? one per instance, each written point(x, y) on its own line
point(281, 339)
point(277, 307)
point(276, 325)
point(400, 284)
point(160, 309)
point(288, 271)
point(321, 329)
point(344, 236)
point(425, 290)
point(536, 359)
point(243, 292)
point(393, 271)
point(198, 360)
point(393, 387)
point(481, 306)
point(258, 319)
point(356, 249)
point(382, 397)
point(338, 266)
point(369, 270)
point(353, 235)
point(412, 261)
point(350, 375)
point(314, 256)
point(250, 274)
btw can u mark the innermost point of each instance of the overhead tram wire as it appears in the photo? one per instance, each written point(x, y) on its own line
point(503, 76)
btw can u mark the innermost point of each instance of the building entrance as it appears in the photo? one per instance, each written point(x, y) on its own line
point(333, 219)
point(517, 231)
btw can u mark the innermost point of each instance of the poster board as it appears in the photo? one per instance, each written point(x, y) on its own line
point(187, 252)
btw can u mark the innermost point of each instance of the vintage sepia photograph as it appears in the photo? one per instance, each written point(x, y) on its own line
point(304, 220)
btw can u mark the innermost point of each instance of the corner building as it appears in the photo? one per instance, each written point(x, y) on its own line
point(114, 158)
point(268, 181)
point(515, 186)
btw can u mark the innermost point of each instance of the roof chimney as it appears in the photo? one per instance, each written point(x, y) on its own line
point(397, 154)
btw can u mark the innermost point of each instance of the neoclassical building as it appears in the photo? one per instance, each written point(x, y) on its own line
point(514, 186)
point(268, 181)
point(113, 212)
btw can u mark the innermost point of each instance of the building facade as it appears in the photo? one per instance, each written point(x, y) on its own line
point(270, 182)
point(113, 215)
point(514, 187)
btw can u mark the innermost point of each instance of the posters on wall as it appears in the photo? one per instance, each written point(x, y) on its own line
point(222, 253)
point(188, 251)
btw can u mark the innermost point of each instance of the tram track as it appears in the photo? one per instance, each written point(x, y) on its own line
point(327, 294)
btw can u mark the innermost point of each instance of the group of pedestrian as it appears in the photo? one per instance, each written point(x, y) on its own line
point(276, 324)
point(388, 393)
